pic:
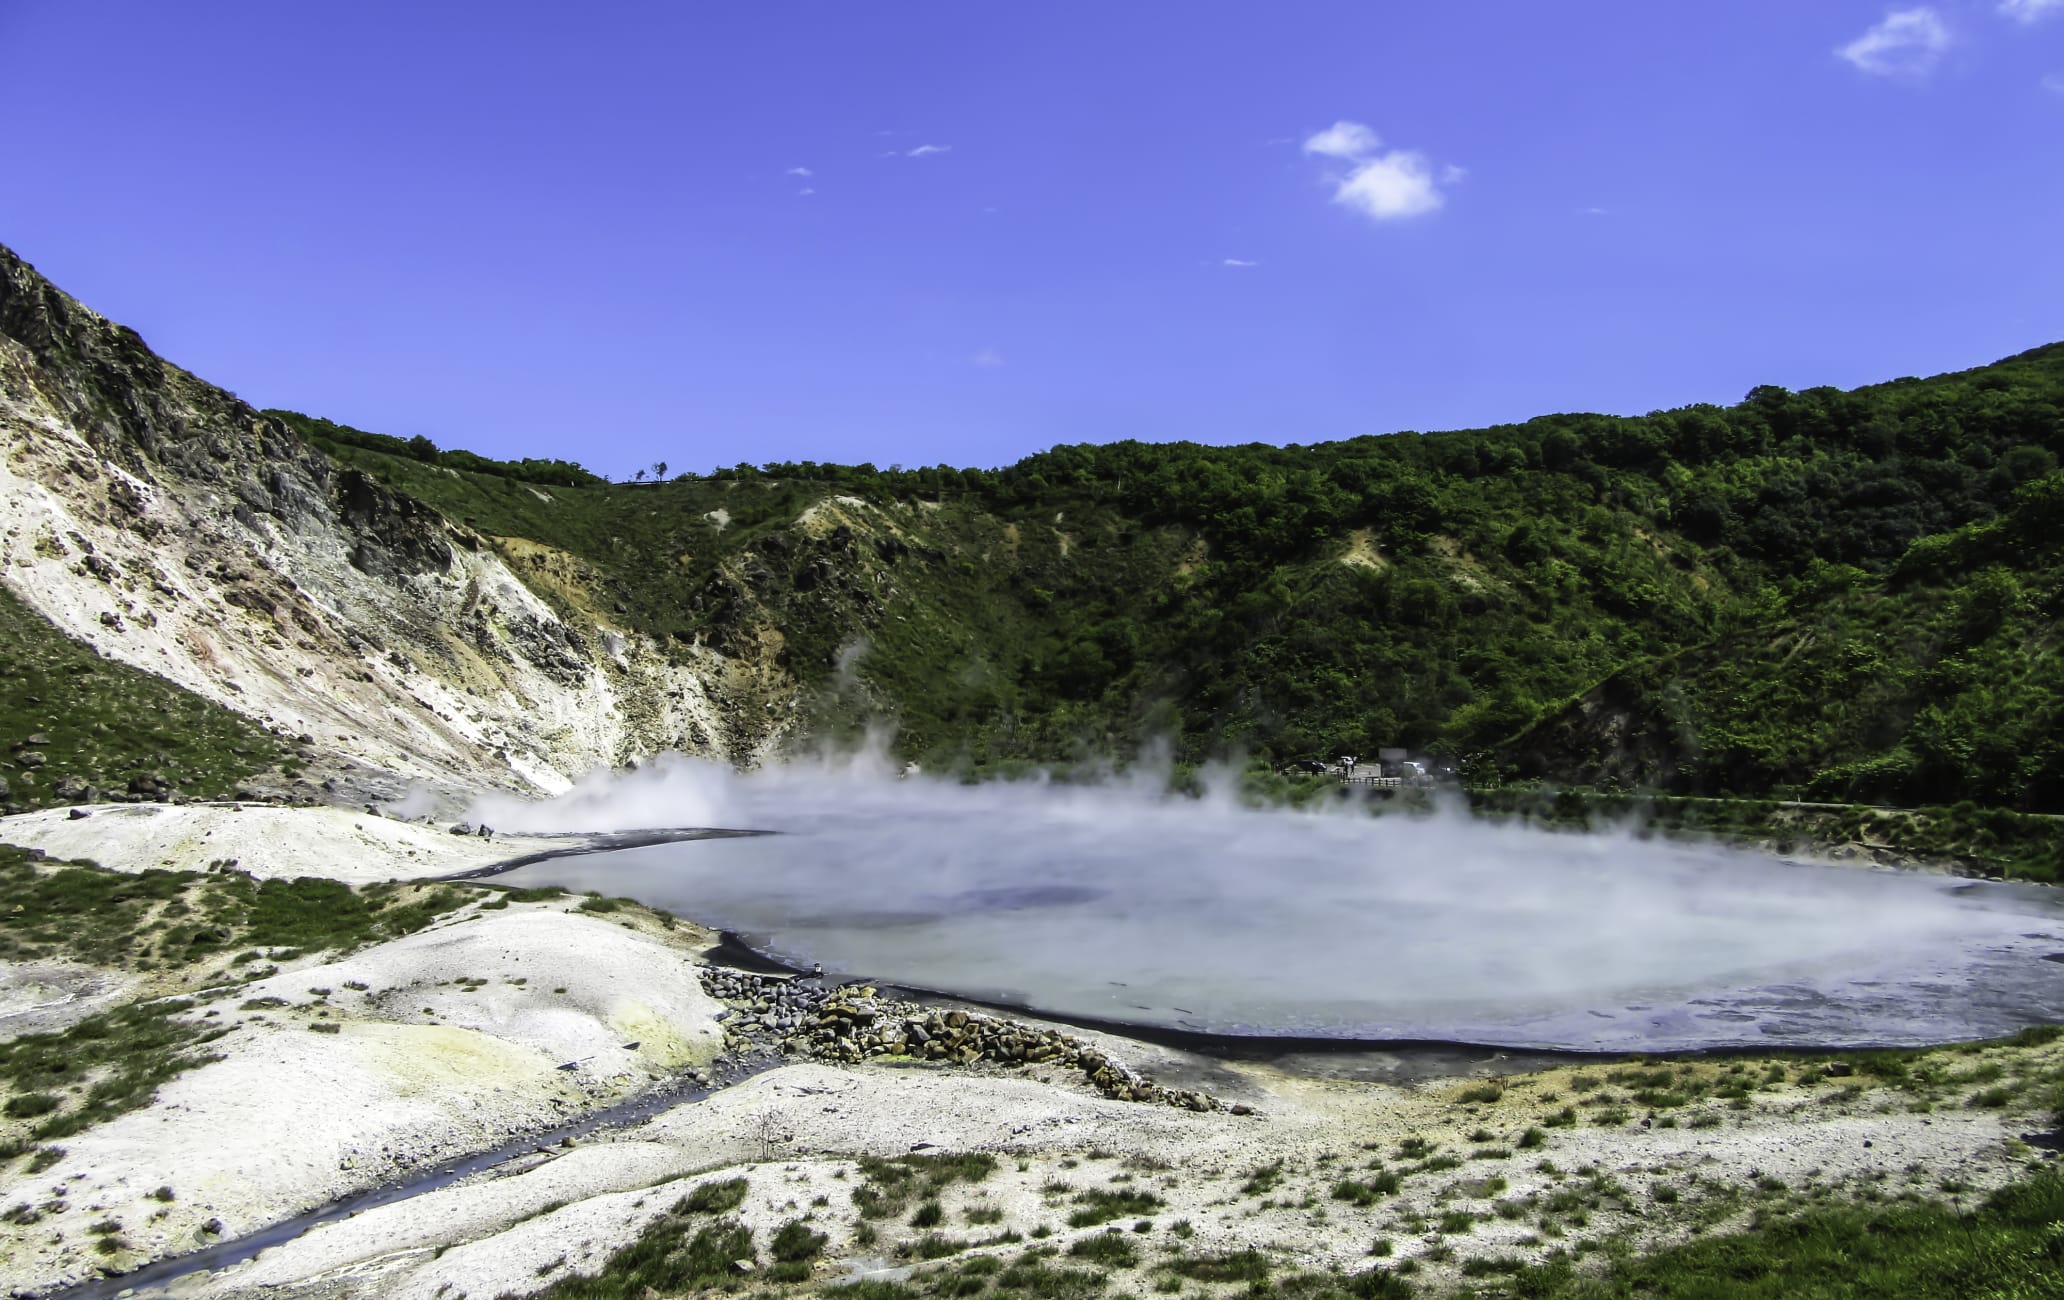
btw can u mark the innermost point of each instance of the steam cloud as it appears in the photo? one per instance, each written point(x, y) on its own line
point(1122, 902)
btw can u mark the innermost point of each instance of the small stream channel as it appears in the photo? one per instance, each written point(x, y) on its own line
point(545, 1143)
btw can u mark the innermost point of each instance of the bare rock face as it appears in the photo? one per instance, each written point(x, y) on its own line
point(177, 529)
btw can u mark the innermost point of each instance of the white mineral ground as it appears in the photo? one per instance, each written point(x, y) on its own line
point(266, 841)
point(426, 1067)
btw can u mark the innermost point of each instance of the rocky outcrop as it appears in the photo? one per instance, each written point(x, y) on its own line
point(175, 528)
point(852, 1023)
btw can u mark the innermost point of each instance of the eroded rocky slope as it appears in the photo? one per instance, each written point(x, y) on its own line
point(175, 528)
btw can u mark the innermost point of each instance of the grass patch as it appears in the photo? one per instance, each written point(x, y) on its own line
point(107, 724)
point(2009, 1247)
point(1232, 1266)
point(719, 1197)
point(889, 1186)
point(100, 1067)
point(671, 1256)
point(1033, 1277)
point(76, 911)
point(1101, 1205)
point(113, 1062)
point(1367, 1191)
point(1262, 1179)
point(1110, 1249)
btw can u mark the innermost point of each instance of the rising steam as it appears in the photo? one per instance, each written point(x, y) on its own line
point(1118, 900)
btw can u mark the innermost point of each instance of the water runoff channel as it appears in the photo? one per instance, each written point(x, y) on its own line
point(1216, 926)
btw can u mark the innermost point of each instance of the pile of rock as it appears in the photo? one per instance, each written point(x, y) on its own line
point(853, 1022)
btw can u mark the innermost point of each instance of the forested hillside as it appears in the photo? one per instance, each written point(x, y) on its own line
point(1822, 592)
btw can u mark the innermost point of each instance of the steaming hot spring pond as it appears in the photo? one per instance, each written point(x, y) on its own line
point(1110, 904)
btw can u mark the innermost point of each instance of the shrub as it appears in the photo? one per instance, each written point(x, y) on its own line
point(713, 1198)
point(1111, 1249)
point(1101, 1205)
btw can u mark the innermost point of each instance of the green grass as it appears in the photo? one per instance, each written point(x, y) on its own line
point(1101, 1205)
point(1230, 1266)
point(889, 1186)
point(107, 723)
point(100, 1067)
point(1107, 1249)
point(162, 921)
point(795, 1248)
point(1034, 1278)
point(81, 912)
point(674, 1254)
point(719, 1197)
point(1368, 1190)
point(2010, 1248)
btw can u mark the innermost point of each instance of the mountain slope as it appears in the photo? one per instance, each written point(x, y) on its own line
point(173, 528)
point(1764, 598)
point(1443, 590)
point(1939, 682)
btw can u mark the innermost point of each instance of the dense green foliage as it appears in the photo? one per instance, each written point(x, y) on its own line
point(1998, 841)
point(331, 436)
point(107, 724)
point(1936, 682)
point(1825, 592)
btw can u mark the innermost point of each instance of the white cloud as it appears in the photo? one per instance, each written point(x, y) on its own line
point(1344, 140)
point(805, 192)
point(1382, 186)
point(1239, 262)
point(1592, 212)
point(925, 150)
point(1398, 184)
point(2028, 11)
point(800, 171)
point(2054, 83)
point(987, 359)
point(1907, 43)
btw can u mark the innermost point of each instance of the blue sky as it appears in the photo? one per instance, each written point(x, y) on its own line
point(917, 233)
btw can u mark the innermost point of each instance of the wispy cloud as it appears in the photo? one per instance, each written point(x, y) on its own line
point(1381, 185)
point(1907, 43)
point(2054, 83)
point(986, 359)
point(805, 192)
point(2028, 11)
point(1592, 212)
point(800, 171)
point(1238, 262)
point(1344, 140)
point(926, 150)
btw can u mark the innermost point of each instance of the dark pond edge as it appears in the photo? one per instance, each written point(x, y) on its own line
point(610, 842)
point(737, 951)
